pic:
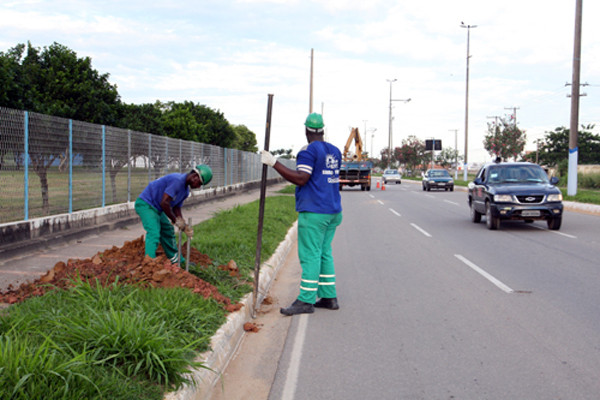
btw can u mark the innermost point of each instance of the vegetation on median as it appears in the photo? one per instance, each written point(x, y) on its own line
point(123, 342)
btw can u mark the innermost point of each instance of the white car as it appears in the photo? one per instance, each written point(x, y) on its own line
point(391, 175)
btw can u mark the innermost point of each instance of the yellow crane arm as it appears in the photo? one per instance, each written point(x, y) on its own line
point(357, 156)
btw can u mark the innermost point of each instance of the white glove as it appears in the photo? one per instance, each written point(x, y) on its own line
point(189, 232)
point(267, 158)
point(180, 223)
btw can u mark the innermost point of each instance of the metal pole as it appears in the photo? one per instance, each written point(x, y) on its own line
point(310, 95)
point(187, 253)
point(390, 126)
point(466, 163)
point(179, 249)
point(573, 148)
point(261, 209)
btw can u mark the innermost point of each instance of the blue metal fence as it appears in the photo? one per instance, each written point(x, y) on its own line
point(51, 165)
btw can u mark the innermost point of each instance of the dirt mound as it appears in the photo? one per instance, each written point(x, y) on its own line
point(129, 265)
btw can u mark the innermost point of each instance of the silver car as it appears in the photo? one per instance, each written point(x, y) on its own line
point(391, 175)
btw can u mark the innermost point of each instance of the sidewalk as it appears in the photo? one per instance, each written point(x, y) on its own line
point(31, 263)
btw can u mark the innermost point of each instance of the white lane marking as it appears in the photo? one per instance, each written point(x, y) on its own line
point(557, 232)
point(371, 196)
point(395, 212)
point(291, 380)
point(430, 196)
point(487, 276)
point(452, 202)
point(380, 202)
point(423, 231)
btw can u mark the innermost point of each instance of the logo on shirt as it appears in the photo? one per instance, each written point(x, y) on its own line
point(331, 162)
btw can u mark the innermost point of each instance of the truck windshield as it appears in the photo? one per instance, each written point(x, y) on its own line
point(518, 174)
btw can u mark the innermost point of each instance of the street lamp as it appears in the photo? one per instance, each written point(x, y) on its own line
point(462, 25)
point(390, 121)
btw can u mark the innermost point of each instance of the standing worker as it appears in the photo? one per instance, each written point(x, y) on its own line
point(318, 203)
point(159, 205)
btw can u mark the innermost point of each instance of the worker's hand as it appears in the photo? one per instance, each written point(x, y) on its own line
point(267, 158)
point(180, 223)
point(189, 232)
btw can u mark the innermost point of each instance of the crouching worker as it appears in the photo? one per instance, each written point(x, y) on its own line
point(318, 203)
point(159, 207)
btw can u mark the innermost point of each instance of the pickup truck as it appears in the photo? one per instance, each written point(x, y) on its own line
point(356, 173)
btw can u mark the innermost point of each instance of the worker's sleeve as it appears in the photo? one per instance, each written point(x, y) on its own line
point(305, 161)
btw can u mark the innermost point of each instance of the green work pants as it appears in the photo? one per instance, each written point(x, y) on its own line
point(315, 234)
point(158, 230)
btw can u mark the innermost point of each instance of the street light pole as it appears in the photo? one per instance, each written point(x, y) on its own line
point(466, 163)
point(390, 125)
point(390, 129)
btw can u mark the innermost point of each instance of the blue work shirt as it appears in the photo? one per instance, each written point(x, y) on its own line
point(173, 184)
point(321, 194)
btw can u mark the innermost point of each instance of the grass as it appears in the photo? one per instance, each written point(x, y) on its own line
point(125, 342)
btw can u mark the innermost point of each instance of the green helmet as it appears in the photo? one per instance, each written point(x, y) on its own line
point(204, 172)
point(314, 123)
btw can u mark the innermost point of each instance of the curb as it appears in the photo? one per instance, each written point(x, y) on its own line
point(227, 339)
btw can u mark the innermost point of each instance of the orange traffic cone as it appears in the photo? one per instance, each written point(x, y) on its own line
point(382, 186)
point(377, 184)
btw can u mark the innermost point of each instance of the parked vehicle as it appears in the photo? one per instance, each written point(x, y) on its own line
point(517, 191)
point(437, 179)
point(391, 175)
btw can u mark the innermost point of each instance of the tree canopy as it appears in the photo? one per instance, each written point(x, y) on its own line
point(554, 148)
point(504, 140)
point(55, 81)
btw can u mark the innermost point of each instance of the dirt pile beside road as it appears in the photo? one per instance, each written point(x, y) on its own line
point(128, 265)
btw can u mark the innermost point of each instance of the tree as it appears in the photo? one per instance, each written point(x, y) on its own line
point(448, 157)
point(504, 140)
point(283, 153)
point(198, 123)
point(54, 81)
point(554, 148)
point(245, 139)
point(412, 153)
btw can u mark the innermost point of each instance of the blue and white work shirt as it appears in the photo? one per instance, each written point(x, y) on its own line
point(321, 194)
point(173, 184)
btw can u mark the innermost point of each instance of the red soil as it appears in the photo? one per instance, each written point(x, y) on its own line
point(129, 265)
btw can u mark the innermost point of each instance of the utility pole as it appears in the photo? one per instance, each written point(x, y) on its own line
point(310, 96)
point(466, 163)
point(573, 149)
point(514, 112)
point(390, 125)
point(495, 119)
point(365, 146)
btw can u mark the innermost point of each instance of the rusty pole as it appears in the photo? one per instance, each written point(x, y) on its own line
point(261, 209)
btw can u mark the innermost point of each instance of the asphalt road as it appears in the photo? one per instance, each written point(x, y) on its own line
point(434, 306)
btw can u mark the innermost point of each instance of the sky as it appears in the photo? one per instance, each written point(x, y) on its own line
point(231, 54)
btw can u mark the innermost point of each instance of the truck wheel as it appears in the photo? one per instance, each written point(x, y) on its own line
point(554, 223)
point(475, 215)
point(363, 188)
point(492, 222)
point(341, 188)
point(369, 188)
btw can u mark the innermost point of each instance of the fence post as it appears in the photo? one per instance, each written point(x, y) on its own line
point(149, 158)
point(103, 165)
point(225, 166)
point(128, 165)
point(26, 166)
point(70, 166)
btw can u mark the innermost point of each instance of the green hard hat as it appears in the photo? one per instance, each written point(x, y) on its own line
point(204, 172)
point(314, 123)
